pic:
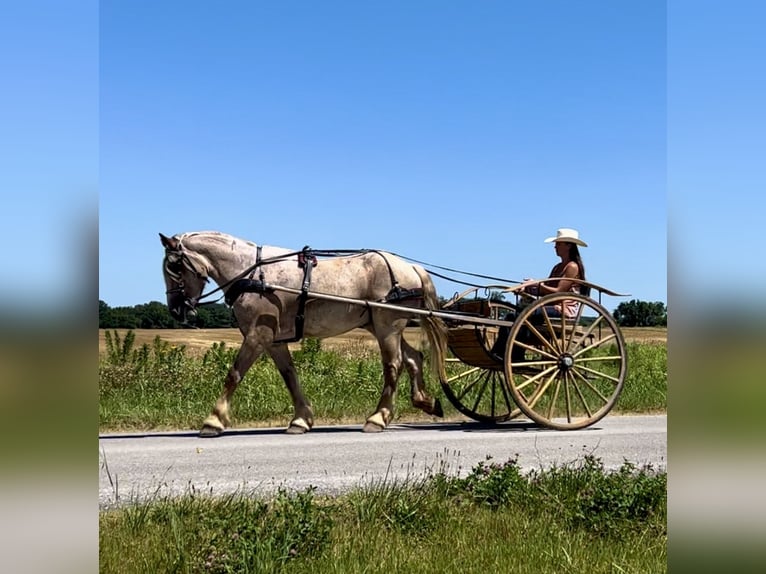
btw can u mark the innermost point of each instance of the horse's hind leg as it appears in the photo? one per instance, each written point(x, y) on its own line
point(219, 418)
point(390, 352)
point(303, 418)
point(413, 361)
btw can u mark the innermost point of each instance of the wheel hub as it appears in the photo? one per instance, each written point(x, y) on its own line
point(566, 362)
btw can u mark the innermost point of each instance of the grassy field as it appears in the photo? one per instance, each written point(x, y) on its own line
point(200, 340)
point(170, 379)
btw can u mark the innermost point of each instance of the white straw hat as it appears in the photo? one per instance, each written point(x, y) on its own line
point(567, 235)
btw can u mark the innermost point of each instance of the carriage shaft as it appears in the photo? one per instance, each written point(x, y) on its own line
point(449, 315)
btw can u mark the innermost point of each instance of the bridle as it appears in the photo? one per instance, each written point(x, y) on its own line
point(175, 261)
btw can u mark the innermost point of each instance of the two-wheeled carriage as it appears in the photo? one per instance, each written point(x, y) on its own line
point(566, 373)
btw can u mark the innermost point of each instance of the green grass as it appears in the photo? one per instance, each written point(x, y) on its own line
point(576, 518)
point(161, 386)
point(646, 385)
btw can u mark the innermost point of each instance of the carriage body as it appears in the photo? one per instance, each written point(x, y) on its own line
point(562, 373)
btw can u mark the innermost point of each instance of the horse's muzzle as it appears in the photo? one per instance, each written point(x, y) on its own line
point(183, 309)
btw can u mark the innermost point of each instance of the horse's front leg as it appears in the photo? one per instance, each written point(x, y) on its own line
point(303, 416)
point(413, 361)
point(390, 352)
point(219, 418)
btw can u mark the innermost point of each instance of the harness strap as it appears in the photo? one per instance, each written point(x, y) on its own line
point(241, 286)
point(300, 317)
point(258, 252)
point(399, 294)
point(307, 254)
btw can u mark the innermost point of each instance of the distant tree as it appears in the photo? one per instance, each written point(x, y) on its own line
point(637, 313)
point(155, 315)
point(215, 316)
point(124, 318)
point(104, 315)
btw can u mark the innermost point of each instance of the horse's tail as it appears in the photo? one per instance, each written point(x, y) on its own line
point(435, 328)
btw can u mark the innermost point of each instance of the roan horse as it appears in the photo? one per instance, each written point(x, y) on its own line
point(277, 297)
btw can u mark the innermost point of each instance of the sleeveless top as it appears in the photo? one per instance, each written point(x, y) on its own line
point(571, 307)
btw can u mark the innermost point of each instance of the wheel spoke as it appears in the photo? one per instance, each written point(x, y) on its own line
point(575, 322)
point(598, 374)
point(480, 394)
point(591, 387)
point(504, 388)
point(581, 396)
point(589, 331)
point(492, 395)
point(469, 386)
point(532, 379)
point(546, 341)
point(596, 344)
point(540, 391)
point(554, 400)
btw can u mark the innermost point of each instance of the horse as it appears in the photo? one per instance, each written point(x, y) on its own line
point(278, 296)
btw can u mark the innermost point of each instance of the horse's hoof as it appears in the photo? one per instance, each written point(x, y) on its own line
point(298, 426)
point(378, 421)
point(372, 427)
point(208, 432)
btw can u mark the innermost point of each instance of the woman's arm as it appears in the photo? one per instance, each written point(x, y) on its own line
point(571, 271)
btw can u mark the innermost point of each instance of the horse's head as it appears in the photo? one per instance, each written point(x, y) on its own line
point(185, 278)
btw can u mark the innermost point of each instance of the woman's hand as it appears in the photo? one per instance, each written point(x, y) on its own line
point(531, 289)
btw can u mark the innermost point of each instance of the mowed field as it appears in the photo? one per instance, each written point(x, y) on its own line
point(200, 340)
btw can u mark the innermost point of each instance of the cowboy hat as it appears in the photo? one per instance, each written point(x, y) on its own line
point(567, 235)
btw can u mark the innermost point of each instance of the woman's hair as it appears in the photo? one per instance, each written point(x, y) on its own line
point(574, 255)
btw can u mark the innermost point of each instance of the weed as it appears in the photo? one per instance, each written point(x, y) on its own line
point(256, 536)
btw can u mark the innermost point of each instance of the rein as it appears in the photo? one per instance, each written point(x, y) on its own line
point(311, 255)
point(302, 255)
point(490, 277)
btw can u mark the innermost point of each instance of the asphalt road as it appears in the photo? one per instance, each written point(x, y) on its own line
point(334, 459)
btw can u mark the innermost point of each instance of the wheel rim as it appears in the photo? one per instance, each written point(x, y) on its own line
point(571, 377)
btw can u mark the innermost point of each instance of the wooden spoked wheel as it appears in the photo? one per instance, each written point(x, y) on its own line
point(573, 370)
point(475, 382)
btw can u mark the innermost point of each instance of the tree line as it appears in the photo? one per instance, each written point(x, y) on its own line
point(155, 315)
point(635, 313)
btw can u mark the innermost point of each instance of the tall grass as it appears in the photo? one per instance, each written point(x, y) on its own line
point(646, 386)
point(160, 386)
point(576, 518)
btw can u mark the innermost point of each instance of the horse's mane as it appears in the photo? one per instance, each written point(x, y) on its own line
point(216, 236)
point(198, 260)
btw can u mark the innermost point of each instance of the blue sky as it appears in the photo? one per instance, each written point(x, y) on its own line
point(460, 134)
point(48, 153)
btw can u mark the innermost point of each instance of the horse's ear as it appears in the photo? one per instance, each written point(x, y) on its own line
point(169, 242)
